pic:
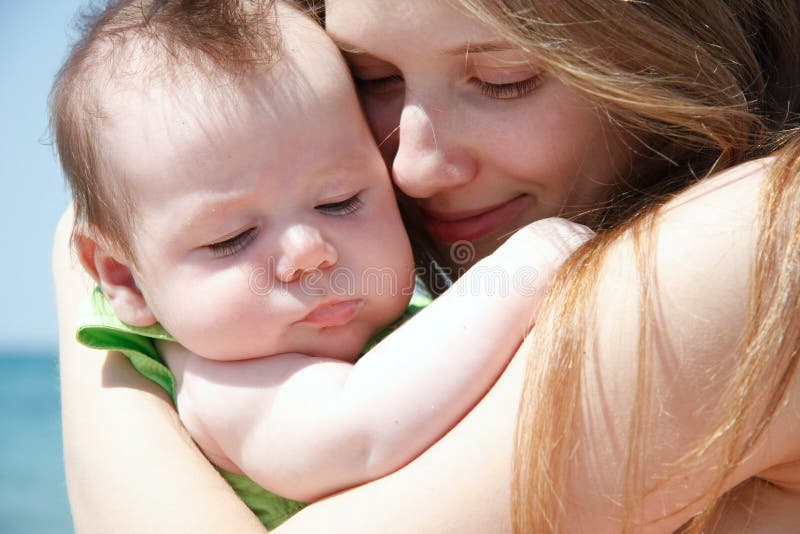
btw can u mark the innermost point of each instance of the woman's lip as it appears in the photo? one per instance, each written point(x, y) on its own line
point(449, 227)
point(334, 313)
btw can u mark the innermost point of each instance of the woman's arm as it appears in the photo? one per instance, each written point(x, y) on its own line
point(130, 466)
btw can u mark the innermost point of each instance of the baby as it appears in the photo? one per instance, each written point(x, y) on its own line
point(230, 198)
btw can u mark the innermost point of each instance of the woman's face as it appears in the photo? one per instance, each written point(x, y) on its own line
point(474, 129)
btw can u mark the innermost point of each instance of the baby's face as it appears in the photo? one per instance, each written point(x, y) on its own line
point(265, 219)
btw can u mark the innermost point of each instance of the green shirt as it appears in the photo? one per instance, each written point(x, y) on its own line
point(100, 328)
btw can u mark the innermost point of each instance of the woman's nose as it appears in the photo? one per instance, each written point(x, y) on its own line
point(303, 249)
point(430, 158)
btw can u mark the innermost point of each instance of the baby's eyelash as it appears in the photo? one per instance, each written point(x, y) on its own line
point(235, 244)
point(508, 91)
point(344, 207)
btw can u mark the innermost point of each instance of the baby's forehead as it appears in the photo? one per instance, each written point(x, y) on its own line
point(164, 130)
point(158, 111)
point(294, 55)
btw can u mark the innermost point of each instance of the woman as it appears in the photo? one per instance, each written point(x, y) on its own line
point(493, 114)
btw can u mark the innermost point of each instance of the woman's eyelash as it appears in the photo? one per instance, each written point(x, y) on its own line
point(508, 91)
point(231, 246)
point(344, 207)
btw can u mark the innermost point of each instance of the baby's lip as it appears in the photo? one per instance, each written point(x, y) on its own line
point(336, 313)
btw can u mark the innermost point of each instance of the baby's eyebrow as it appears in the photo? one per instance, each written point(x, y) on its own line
point(206, 212)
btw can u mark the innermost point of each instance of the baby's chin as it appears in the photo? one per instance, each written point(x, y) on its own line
point(344, 350)
point(345, 345)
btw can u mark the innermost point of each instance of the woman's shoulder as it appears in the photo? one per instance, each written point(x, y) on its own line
point(742, 178)
point(686, 281)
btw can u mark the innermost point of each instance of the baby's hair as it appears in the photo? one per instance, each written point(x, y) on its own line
point(219, 40)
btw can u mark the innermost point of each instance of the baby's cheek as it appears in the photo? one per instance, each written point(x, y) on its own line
point(207, 320)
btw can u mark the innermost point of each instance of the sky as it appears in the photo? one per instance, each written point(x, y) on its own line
point(34, 36)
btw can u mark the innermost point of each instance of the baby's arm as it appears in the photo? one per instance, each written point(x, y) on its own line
point(306, 427)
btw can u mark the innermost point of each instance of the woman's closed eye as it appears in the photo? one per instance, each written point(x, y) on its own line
point(233, 245)
point(347, 206)
point(509, 90)
point(372, 75)
point(378, 86)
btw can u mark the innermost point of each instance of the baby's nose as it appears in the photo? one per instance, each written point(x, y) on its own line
point(303, 249)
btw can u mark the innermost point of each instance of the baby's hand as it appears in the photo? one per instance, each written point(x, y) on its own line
point(532, 255)
point(556, 239)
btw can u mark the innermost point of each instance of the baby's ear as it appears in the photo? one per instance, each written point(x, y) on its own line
point(116, 280)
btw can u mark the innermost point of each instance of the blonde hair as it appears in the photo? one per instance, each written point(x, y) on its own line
point(697, 87)
point(700, 89)
point(216, 38)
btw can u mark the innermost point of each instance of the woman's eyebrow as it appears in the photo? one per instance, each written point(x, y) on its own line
point(478, 48)
point(466, 48)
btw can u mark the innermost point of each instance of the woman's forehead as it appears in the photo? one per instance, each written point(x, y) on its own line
point(437, 26)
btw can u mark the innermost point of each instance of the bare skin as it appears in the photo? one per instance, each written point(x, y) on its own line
point(98, 388)
point(461, 484)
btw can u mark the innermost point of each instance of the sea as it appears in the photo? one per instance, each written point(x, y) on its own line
point(33, 494)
